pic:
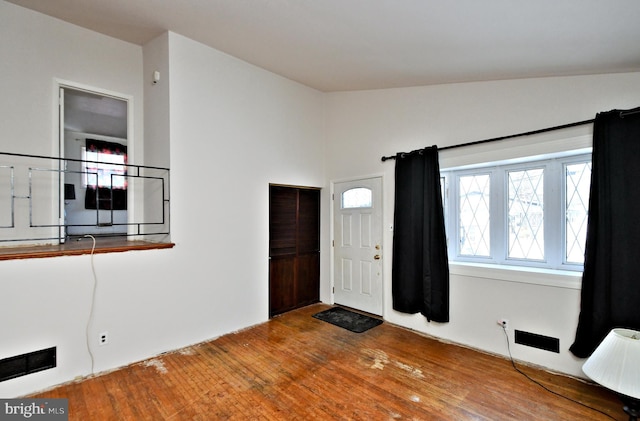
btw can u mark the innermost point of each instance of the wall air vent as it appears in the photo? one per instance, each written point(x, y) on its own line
point(24, 364)
point(537, 341)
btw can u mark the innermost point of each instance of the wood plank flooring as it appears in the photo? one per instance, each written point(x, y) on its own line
point(295, 367)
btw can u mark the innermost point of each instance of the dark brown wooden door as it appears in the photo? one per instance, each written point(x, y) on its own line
point(294, 248)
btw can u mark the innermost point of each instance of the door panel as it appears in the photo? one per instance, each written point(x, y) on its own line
point(345, 230)
point(346, 283)
point(282, 271)
point(366, 278)
point(308, 274)
point(357, 246)
point(365, 230)
point(308, 221)
point(283, 207)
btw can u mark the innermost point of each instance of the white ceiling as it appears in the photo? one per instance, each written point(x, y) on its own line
point(96, 114)
point(335, 45)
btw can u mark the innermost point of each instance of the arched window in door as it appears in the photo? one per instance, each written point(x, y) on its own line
point(358, 197)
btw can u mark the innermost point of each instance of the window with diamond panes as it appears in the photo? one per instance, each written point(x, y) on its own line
point(474, 215)
point(577, 187)
point(526, 214)
point(533, 213)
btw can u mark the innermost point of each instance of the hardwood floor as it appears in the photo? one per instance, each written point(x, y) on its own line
point(296, 367)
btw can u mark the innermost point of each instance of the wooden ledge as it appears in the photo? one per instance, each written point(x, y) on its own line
point(79, 246)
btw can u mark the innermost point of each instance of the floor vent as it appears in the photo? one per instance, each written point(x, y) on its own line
point(537, 341)
point(24, 364)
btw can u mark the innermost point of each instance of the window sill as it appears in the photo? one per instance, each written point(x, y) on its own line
point(79, 247)
point(536, 276)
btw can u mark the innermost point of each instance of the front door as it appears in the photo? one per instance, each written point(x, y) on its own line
point(358, 244)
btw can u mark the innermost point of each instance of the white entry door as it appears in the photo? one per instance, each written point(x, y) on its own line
point(358, 244)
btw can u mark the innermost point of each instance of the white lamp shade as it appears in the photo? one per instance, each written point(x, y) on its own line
point(615, 364)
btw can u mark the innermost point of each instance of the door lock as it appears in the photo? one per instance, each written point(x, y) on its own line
point(376, 257)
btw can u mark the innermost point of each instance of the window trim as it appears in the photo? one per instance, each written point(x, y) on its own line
point(566, 279)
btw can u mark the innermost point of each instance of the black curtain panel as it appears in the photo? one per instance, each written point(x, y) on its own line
point(611, 279)
point(420, 271)
point(105, 198)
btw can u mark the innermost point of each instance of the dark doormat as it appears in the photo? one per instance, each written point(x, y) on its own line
point(355, 322)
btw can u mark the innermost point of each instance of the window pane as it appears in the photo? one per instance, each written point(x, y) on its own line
point(359, 197)
point(109, 172)
point(578, 182)
point(474, 214)
point(526, 217)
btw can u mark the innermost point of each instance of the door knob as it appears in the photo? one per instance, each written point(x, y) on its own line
point(376, 257)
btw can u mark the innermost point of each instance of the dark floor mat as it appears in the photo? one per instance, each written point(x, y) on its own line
point(355, 322)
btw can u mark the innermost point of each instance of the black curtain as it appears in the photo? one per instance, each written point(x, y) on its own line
point(420, 272)
point(104, 198)
point(611, 280)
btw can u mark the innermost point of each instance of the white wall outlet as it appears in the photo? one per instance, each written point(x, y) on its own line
point(103, 338)
point(504, 323)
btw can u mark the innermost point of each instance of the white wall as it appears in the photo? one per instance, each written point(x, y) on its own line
point(364, 126)
point(234, 129)
point(157, 120)
point(157, 115)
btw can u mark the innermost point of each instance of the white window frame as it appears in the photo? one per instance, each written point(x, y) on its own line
point(554, 212)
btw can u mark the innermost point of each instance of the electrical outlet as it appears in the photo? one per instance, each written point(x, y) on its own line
point(504, 323)
point(103, 338)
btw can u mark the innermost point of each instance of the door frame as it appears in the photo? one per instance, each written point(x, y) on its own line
point(332, 223)
point(58, 140)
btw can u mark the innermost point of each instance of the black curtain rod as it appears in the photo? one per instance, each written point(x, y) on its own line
point(478, 142)
point(548, 129)
point(628, 112)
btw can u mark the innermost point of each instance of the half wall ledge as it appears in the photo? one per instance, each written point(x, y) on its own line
point(77, 248)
